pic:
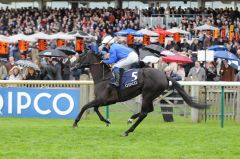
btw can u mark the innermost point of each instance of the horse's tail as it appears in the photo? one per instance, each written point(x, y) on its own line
point(185, 96)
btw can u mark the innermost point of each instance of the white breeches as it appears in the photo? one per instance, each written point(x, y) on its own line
point(126, 62)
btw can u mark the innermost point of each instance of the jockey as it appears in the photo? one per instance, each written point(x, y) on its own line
point(118, 55)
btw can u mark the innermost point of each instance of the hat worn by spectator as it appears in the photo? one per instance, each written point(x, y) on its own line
point(14, 67)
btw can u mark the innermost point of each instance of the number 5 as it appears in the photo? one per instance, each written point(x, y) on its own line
point(134, 75)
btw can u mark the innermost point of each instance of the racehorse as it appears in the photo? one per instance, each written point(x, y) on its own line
point(151, 84)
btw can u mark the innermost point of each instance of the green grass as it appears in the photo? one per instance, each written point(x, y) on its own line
point(153, 139)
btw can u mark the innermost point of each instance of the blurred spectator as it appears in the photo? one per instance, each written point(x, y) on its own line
point(10, 63)
point(161, 64)
point(31, 74)
point(14, 52)
point(57, 69)
point(181, 71)
point(227, 73)
point(237, 78)
point(169, 72)
point(66, 64)
point(211, 71)
point(15, 73)
point(185, 44)
point(3, 70)
point(169, 45)
point(33, 52)
point(47, 70)
point(197, 73)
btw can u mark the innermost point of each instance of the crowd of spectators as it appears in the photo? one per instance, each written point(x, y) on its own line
point(94, 21)
point(102, 22)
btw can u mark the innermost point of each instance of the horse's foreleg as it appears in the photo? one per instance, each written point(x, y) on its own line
point(94, 103)
point(142, 115)
point(147, 106)
point(100, 116)
point(134, 116)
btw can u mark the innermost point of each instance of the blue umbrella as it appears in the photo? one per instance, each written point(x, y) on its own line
point(125, 32)
point(225, 55)
point(218, 48)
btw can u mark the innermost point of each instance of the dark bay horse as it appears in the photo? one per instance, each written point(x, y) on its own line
point(151, 84)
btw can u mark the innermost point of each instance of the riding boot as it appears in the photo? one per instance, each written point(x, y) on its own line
point(116, 74)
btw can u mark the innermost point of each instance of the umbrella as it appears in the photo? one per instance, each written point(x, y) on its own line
point(225, 55)
point(155, 48)
point(167, 53)
point(40, 35)
point(150, 59)
point(16, 38)
point(61, 35)
point(177, 58)
point(177, 30)
point(217, 48)
point(26, 63)
point(52, 53)
point(143, 53)
point(146, 32)
point(206, 27)
point(80, 34)
point(125, 32)
point(234, 64)
point(4, 38)
point(161, 31)
point(66, 50)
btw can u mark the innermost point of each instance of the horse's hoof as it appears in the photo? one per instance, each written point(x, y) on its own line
point(124, 134)
point(129, 121)
point(75, 125)
point(108, 122)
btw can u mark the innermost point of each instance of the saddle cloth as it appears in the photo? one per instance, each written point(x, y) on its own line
point(129, 78)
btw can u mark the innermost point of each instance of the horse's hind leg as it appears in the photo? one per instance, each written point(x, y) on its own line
point(100, 116)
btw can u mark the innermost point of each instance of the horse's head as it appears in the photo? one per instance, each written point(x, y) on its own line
point(87, 59)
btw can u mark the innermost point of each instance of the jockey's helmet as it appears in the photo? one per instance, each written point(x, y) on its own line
point(108, 40)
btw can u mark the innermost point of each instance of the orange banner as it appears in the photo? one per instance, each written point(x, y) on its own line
point(237, 36)
point(60, 42)
point(42, 44)
point(161, 39)
point(79, 44)
point(130, 39)
point(223, 32)
point(23, 45)
point(176, 37)
point(146, 40)
point(216, 34)
point(3, 48)
point(231, 36)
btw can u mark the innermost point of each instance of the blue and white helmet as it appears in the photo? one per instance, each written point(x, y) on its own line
point(108, 40)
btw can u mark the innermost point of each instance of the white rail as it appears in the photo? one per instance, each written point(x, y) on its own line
point(88, 82)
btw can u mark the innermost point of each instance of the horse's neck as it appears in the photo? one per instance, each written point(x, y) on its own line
point(100, 72)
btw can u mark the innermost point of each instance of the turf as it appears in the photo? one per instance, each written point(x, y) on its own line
point(153, 139)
